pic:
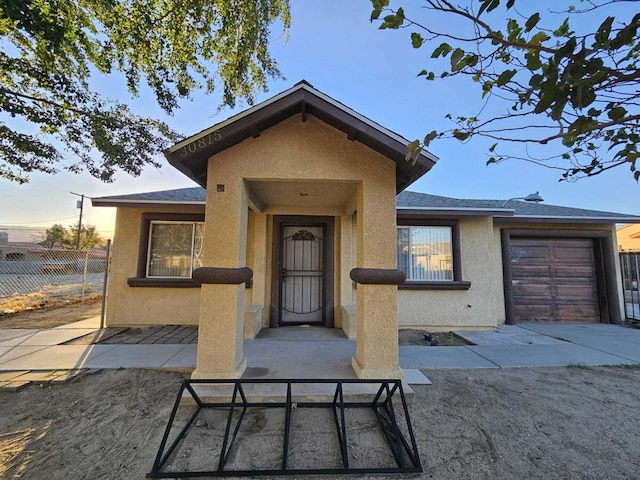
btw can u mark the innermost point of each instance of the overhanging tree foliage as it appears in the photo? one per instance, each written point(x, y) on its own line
point(50, 48)
point(569, 76)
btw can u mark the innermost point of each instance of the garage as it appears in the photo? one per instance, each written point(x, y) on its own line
point(554, 280)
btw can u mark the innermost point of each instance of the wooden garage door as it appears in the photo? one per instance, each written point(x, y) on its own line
point(554, 280)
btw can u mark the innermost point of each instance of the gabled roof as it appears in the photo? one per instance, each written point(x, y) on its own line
point(407, 203)
point(190, 156)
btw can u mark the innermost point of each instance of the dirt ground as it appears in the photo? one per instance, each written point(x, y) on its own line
point(552, 423)
point(434, 339)
point(53, 316)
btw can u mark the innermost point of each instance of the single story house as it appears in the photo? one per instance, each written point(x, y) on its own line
point(302, 217)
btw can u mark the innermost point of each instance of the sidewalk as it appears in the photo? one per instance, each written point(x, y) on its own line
point(40, 355)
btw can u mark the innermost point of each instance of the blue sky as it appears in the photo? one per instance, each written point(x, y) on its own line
point(333, 46)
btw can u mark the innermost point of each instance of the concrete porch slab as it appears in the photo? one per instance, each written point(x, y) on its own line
point(413, 376)
point(303, 359)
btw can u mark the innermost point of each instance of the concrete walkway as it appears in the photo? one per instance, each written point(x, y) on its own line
point(305, 352)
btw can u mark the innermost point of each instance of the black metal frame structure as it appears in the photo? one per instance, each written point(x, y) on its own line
point(404, 450)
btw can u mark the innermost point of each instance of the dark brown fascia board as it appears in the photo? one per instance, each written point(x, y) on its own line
point(146, 204)
point(451, 212)
point(498, 220)
point(301, 100)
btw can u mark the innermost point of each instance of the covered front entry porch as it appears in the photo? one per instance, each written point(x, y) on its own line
point(300, 229)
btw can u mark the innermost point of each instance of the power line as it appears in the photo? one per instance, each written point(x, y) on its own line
point(43, 221)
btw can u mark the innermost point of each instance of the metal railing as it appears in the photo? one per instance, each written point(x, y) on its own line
point(34, 276)
point(630, 267)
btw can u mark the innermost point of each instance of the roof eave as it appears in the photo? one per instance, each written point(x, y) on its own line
point(106, 202)
point(565, 219)
point(190, 156)
point(453, 211)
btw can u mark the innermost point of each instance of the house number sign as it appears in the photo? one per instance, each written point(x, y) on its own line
point(201, 143)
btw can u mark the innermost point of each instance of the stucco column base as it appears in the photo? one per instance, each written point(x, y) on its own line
point(210, 375)
point(377, 333)
point(376, 373)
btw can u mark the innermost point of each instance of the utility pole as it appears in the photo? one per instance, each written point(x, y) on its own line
point(80, 205)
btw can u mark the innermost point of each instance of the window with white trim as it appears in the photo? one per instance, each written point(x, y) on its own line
point(175, 249)
point(425, 253)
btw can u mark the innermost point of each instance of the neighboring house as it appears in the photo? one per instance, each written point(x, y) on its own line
point(310, 195)
point(629, 238)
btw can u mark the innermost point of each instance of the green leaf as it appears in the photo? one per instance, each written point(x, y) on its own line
point(416, 40)
point(378, 6)
point(505, 77)
point(428, 75)
point(493, 147)
point(533, 61)
point(532, 22)
point(488, 5)
point(393, 21)
point(510, 3)
point(602, 35)
point(460, 135)
point(413, 150)
point(617, 113)
point(455, 57)
point(430, 137)
point(443, 50)
point(539, 38)
point(562, 30)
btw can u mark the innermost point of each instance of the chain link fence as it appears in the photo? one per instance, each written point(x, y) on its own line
point(34, 277)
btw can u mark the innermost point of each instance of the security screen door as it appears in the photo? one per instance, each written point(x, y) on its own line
point(302, 275)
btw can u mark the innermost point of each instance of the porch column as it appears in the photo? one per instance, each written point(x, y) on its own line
point(377, 322)
point(220, 331)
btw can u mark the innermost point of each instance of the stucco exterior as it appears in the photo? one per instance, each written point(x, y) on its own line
point(318, 172)
point(478, 307)
point(302, 157)
point(137, 307)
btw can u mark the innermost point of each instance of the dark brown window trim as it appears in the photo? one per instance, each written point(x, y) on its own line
point(457, 283)
point(436, 285)
point(141, 280)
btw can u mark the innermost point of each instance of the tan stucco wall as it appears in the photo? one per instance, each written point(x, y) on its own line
point(143, 306)
point(478, 307)
point(308, 151)
point(297, 154)
point(625, 241)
